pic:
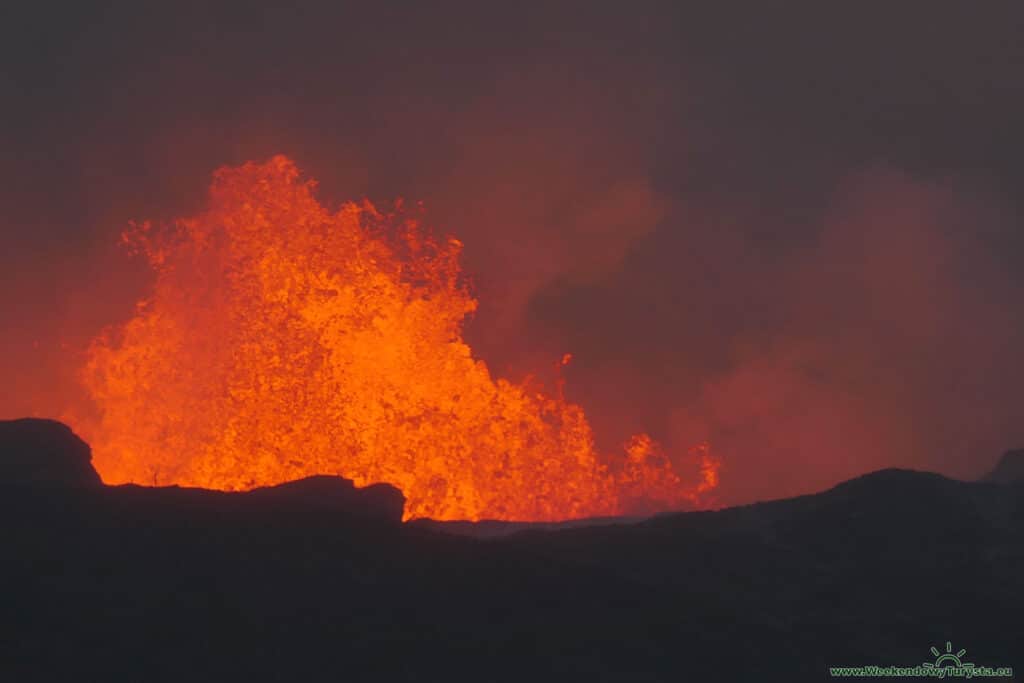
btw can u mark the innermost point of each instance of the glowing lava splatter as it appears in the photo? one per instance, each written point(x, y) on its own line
point(284, 340)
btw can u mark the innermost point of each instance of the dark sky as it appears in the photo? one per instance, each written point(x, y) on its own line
point(792, 228)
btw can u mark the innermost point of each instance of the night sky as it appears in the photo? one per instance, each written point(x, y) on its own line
point(795, 232)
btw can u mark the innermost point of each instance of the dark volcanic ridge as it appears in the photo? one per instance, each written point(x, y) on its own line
point(317, 579)
point(1009, 469)
point(46, 453)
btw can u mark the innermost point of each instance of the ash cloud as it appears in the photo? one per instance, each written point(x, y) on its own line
point(795, 232)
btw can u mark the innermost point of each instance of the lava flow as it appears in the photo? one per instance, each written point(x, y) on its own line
point(284, 340)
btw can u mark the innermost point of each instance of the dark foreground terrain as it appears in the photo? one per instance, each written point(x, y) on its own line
point(316, 580)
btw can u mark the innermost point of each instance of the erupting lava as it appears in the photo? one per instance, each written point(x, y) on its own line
point(283, 340)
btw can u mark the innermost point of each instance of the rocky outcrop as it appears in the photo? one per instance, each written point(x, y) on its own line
point(35, 452)
point(337, 494)
point(46, 453)
point(1009, 469)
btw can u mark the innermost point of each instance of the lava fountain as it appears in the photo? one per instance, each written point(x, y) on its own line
point(283, 340)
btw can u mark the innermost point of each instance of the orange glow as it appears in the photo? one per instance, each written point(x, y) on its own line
point(283, 340)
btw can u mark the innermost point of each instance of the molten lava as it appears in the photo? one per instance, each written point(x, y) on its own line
point(284, 340)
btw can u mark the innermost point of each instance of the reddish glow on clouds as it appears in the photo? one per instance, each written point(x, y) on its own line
point(817, 281)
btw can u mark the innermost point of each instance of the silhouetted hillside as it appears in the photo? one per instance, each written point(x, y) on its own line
point(44, 452)
point(299, 583)
point(1009, 469)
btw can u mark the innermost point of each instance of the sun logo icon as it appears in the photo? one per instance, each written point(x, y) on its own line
point(948, 659)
